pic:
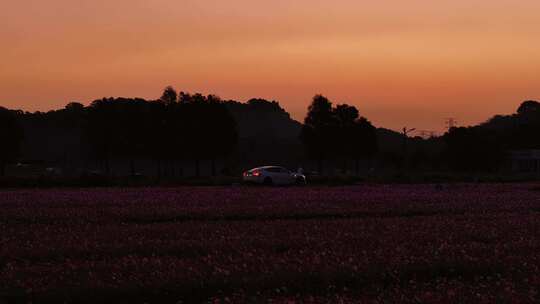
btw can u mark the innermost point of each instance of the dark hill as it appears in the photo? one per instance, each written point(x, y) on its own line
point(262, 118)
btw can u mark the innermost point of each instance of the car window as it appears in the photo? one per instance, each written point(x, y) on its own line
point(283, 170)
point(273, 170)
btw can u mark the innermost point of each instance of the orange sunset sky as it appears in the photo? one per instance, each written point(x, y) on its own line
point(410, 63)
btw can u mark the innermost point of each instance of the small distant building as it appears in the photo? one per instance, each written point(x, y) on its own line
point(525, 161)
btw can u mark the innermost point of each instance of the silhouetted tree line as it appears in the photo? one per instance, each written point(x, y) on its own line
point(11, 135)
point(484, 147)
point(331, 133)
point(175, 127)
point(183, 127)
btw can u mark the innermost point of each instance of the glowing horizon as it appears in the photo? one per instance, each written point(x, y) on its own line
point(412, 63)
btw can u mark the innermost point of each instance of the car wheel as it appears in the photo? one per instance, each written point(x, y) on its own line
point(268, 181)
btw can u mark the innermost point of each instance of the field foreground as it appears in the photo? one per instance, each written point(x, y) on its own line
point(369, 244)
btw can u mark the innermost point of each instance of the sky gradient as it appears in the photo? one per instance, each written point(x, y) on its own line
point(410, 63)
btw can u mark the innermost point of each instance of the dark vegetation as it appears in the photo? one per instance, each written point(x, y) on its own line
point(467, 243)
point(337, 133)
point(206, 140)
point(187, 127)
point(11, 136)
point(483, 147)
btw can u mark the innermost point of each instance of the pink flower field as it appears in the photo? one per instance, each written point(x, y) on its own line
point(370, 244)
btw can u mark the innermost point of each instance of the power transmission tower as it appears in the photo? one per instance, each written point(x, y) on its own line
point(450, 123)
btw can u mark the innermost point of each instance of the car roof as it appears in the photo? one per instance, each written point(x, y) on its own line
point(267, 167)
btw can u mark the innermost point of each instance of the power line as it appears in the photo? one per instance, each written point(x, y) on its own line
point(406, 131)
point(427, 133)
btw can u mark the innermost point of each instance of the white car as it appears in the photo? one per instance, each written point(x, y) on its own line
point(273, 175)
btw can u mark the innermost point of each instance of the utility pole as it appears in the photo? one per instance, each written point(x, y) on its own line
point(405, 133)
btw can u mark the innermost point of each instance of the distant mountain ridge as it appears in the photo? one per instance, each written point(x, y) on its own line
point(262, 118)
point(259, 117)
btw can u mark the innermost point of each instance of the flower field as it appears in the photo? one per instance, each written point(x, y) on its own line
point(371, 244)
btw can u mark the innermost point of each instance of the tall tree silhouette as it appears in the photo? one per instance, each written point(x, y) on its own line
point(11, 135)
point(167, 140)
point(223, 135)
point(211, 129)
point(196, 136)
point(337, 132)
point(317, 132)
point(176, 134)
point(100, 130)
point(133, 127)
point(355, 137)
point(169, 95)
point(364, 143)
point(344, 132)
point(160, 135)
